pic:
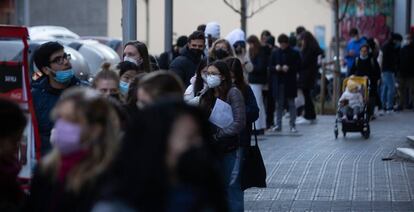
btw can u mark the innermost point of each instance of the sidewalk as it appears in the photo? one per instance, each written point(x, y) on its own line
point(314, 172)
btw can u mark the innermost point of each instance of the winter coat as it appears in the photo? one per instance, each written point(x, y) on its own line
point(236, 101)
point(290, 58)
point(309, 68)
point(354, 99)
point(166, 58)
point(390, 57)
point(368, 67)
point(252, 114)
point(353, 45)
point(44, 100)
point(259, 73)
point(185, 65)
point(49, 194)
point(407, 61)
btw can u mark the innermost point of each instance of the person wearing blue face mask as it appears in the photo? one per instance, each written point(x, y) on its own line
point(127, 72)
point(58, 75)
point(366, 65)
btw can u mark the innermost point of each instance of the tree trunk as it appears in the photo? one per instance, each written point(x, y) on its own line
point(243, 15)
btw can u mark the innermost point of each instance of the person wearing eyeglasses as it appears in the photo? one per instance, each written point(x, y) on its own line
point(58, 75)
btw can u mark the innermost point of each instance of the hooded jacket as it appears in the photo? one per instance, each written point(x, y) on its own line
point(185, 65)
point(45, 98)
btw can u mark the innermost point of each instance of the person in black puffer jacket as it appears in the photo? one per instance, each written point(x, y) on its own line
point(186, 64)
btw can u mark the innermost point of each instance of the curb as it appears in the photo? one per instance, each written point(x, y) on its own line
point(410, 140)
point(407, 153)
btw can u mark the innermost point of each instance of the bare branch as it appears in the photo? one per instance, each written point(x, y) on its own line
point(261, 8)
point(344, 13)
point(231, 7)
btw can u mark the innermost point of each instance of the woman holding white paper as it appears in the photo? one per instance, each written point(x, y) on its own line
point(220, 95)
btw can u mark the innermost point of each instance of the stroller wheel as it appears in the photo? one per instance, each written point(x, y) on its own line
point(336, 133)
point(366, 132)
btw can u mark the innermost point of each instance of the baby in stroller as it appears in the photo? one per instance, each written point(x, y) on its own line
point(351, 103)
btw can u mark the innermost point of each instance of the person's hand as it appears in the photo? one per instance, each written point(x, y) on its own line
point(285, 68)
point(351, 53)
point(278, 68)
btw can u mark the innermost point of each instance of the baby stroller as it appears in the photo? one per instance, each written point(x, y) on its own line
point(361, 124)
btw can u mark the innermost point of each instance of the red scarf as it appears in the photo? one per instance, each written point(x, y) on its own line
point(68, 162)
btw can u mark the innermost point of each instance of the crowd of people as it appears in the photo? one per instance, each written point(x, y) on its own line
point(389, 68)
point(170, 134)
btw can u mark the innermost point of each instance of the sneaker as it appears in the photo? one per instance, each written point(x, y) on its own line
point(355, 117)
point(286, 116)
point(277, 128)
point(389, 112)
point(381, 112)
point(293, 130)
point(301, 120)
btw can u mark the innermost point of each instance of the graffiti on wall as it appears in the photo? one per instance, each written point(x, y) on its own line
point(373, 18)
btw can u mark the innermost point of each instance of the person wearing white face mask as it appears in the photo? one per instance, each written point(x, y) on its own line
point(137, 53)
point(85, 139)
point(366, 65)
point(222, 93)
point(198, 85)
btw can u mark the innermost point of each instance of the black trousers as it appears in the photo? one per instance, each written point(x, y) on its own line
point(269, 103)
point(310, 113)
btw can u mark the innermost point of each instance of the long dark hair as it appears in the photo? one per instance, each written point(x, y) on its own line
point(208, 99)
point(255, 49)
point(310, 42)
point(141, 176)
point(236, 68)
point(143, 51)
point(199, 82)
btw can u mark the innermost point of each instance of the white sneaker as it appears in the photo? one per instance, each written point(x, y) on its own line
point(286, 116)
point(380, 112)
point(277, 128)
point(301, 120)
point(389, 112)
point(293, 130)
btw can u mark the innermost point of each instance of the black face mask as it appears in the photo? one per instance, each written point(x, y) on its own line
point(221, 53)
point(196, 52)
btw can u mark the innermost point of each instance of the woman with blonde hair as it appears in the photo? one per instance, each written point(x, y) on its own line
point(85, 139)
point(220, 50)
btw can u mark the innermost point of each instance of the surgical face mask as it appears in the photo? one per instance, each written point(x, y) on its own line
point(132, 60)
point(123, 87)
point(204, 77)
point(66, 136)
point(64, 76)
point(213, 81)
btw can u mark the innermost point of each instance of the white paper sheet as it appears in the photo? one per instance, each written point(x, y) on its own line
point(222, 115)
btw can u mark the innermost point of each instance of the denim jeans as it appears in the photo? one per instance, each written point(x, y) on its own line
point(388, 90)
point(231, 167)
point(280, 106)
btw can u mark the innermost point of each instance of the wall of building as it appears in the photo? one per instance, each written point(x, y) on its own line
point(283, 16)
point(400, 16)
point(82, 17)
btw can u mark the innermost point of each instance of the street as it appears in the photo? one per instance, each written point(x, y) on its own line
point(314, 172)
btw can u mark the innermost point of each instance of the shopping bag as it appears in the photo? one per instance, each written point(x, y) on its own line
point(253, 172)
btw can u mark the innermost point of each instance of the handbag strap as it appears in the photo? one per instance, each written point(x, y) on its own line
point(255, 133)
